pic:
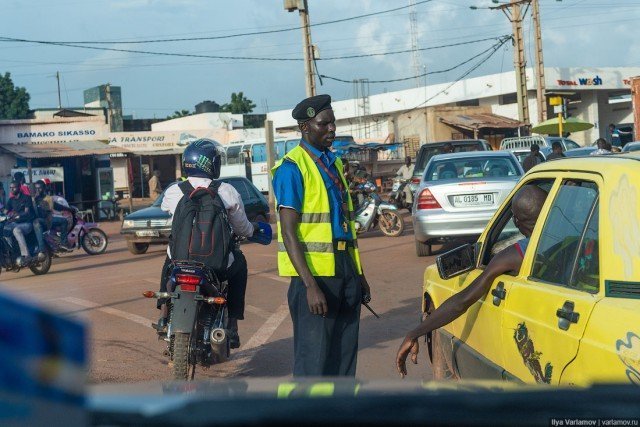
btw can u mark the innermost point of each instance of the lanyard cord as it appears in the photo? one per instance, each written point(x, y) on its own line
point(324, 167)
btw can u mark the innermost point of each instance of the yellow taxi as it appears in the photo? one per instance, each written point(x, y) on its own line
point(571, 315)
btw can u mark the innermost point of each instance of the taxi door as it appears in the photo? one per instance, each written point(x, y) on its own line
point(549, 303)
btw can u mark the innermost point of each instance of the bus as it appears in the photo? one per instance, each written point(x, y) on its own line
point(233, 162)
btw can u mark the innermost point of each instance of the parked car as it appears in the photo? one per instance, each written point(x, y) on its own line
point(631, 146)
point(427, 151)
point(152, 225)
point(459, 193)
point(571, 315)
point(578, 152)
point(520, 146)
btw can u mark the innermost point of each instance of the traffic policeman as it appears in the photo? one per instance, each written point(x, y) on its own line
point(317, 247)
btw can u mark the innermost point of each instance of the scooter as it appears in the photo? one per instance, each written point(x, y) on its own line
point(196, 331)
point(374, 211)
point(83, 234)
point(10, 257)
point(397, 196)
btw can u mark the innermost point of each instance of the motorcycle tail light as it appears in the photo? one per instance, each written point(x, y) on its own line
point(427, 201)
point(187, 282)
point(415, 180)
point(216, 300)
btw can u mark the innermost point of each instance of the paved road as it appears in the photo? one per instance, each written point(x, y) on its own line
point(105, 291)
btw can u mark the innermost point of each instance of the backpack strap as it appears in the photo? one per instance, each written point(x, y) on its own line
point(186, 188)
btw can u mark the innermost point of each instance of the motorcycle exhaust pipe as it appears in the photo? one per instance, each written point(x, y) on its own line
point(218, 336)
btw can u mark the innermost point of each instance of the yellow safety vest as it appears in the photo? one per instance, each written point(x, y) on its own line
point(314, 230)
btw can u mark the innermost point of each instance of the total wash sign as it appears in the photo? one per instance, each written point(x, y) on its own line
point(582, 81)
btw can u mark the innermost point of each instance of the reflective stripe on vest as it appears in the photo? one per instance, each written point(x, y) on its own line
point(314, 230)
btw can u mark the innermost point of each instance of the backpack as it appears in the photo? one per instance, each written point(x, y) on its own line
point(200, 230)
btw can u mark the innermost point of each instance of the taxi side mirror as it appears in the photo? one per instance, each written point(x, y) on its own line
point(457, 261)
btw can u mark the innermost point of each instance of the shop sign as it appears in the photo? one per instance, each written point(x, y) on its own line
point(53, 133)
point(55, 174)
point(157, 141)
point(582, 81)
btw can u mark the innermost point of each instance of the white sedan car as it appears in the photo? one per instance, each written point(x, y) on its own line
point(459, 194)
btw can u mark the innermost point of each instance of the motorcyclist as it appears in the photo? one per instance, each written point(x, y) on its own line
point(406, 172)
point(62, 213)
point(20, 210)
point(201, 163)
point(43, 212)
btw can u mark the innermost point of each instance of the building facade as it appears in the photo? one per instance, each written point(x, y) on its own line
point(598, 95)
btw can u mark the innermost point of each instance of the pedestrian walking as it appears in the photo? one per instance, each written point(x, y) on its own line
point(317, 247)
point(155, 188)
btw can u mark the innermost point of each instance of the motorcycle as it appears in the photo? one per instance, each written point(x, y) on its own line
point(397, 196)
point(196, 331)
point(373, 211)
point(10, 257)
point(83, 234)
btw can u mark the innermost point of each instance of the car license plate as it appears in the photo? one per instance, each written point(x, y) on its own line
point(469, 200)
point(147, 233)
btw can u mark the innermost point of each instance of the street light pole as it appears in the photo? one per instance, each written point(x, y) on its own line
point(513, 12)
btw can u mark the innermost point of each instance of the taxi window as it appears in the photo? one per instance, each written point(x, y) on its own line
point(504, 233)
point(564, 232)
point(586, 272)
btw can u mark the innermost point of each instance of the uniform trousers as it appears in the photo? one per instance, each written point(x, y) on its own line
point(327, 346)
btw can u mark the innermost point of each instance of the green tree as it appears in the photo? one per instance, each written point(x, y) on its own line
point(239, 104)
point(178, 114)
point(14, 101)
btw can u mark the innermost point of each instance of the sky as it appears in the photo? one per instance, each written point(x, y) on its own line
point(576, 33)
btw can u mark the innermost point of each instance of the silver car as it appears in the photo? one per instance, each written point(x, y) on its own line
point(459, 193)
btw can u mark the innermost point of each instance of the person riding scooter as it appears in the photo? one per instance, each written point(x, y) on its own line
point(20, 210)
point(201, 163)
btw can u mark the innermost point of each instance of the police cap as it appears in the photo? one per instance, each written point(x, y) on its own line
point(310, 107)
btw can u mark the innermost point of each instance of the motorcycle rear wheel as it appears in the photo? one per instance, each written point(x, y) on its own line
point(395, 223)
point(181, 356)
point(43, 266)
point(95, 241)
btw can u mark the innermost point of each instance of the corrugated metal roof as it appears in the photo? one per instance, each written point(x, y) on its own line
point(62, 149)
point(481, 120)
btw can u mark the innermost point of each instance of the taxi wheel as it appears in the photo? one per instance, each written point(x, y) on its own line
point(439, 365)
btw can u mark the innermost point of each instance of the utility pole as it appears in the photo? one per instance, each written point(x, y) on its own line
point(59, 99)
point(271, 159)
point(540, 82)
point(515, 15)
point(307, 47)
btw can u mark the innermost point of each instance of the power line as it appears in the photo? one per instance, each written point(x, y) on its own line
point(367, 55)
point(255, 33)
point(496, 46)
point(245, 58)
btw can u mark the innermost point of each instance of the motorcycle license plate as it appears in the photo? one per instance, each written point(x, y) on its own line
point(395, 187)
point(147, 233)
point(471, 200)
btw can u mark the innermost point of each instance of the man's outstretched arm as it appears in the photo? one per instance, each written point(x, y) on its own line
point(505, 261)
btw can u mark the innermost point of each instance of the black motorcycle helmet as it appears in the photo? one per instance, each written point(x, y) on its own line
point(202, 159)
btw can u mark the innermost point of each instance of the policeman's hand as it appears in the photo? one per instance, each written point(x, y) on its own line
point(316, 300)
point(366, 289)
point(408, 346)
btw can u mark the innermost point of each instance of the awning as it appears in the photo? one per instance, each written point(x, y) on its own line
point(61, 149)
point(480, 121)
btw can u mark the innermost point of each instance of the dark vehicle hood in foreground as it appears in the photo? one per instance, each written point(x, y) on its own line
point(328, 402)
